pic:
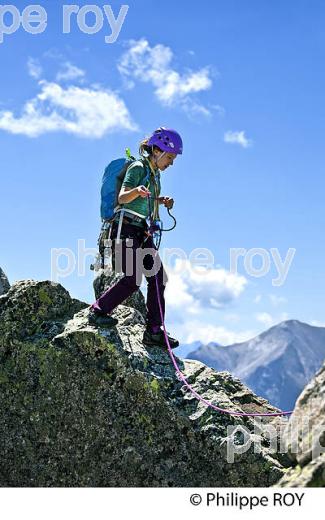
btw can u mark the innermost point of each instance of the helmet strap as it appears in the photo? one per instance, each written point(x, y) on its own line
point(159, 157)
point(156, 159)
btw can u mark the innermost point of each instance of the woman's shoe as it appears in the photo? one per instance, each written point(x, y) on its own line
point(101, 319)
point(157, 339)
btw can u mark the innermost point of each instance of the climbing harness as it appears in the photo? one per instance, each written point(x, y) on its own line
point(182, 378)
point(155, 229)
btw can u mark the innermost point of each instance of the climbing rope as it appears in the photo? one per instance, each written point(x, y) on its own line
point(181, 376)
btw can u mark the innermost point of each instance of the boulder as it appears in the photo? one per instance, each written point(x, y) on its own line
point(87, 406)
point(4, 283)
point(304, 437)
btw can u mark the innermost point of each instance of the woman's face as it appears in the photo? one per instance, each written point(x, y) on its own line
point(166, 160)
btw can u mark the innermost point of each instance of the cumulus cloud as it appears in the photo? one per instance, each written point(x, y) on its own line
point(34, 68)
point(198, 288)
point(86, 112)
point(268, 320)
point(265, 318)
point(192, 295)
point(277, 300)
point(154, 65)
point(69, 72)
point(197, 330)
point(237, 138)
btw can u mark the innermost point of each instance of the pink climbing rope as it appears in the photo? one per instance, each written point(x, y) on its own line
point(181, 376)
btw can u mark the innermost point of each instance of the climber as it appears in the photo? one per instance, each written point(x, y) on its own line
point(157, 152)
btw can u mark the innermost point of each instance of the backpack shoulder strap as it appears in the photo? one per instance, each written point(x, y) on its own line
point(147, 172)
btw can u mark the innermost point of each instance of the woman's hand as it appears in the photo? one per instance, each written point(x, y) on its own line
point(142, 191)
point(168, 202)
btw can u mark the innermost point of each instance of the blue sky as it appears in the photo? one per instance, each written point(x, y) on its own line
point(242, 81)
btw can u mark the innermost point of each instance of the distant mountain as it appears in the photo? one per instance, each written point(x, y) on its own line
point(277, 364)
point(183, 350)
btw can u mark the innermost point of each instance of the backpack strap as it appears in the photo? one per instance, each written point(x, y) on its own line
point(147, 172)
point(119, 181)
point(150, 174)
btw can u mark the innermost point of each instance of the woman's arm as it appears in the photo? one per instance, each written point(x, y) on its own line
point(129, 194)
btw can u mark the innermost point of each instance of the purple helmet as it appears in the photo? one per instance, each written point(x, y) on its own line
point(167, 140)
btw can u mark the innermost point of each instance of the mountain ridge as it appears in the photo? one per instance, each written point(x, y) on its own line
point(276, 364)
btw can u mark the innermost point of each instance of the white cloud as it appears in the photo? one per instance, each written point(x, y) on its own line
point(34, 68)
point(265, 318)
point(197, 330)
point(153, 65)
point(268, 320)
point(317, 323)
point(237, 138)
point(86, 112)
point(277, 300)
point(69, 72)
point(219, 109)
point(192, 289)
point(257, 298)
point(53, 53)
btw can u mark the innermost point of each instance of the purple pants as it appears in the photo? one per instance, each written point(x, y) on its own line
point(134, 260)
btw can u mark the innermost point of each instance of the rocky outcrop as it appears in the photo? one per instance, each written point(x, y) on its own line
point(34, 311)
point(304, 437)
point(87, 406)
point(4, 283)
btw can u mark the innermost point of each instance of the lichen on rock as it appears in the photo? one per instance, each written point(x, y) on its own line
point(4, 283)
point(88, 406)
point(304, 437)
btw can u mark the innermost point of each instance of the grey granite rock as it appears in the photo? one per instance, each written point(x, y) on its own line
point(4, 283)
point(310, 475)
point(32, 311)
point(92, 407)
point(304, 437)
